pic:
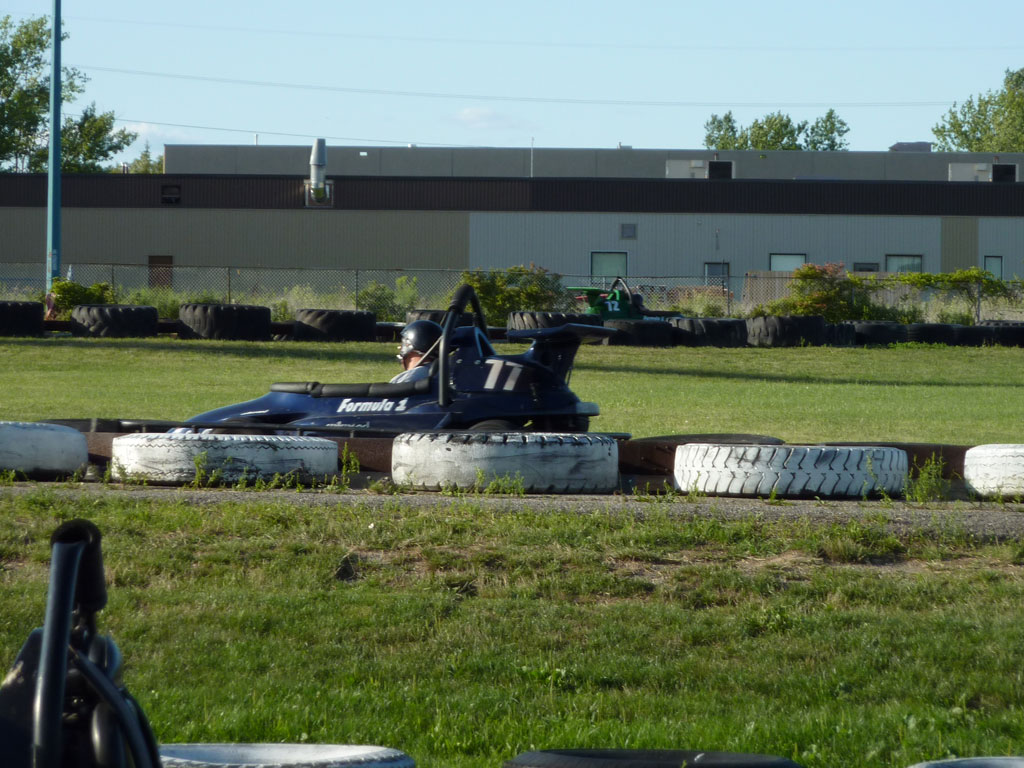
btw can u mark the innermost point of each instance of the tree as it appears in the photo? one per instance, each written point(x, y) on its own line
point(776, 131)
point(991, 122)
point(827, 134)
point(145, 163)
point(25, 103)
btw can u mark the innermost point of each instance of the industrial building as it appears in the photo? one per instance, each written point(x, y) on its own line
point(578, 212)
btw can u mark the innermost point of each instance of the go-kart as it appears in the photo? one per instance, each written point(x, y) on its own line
point(617, 302)
point(470, 386)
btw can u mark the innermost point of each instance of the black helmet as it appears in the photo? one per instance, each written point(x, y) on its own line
point(418, 336)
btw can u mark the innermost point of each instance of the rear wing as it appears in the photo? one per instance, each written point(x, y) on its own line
point(556, 347)
point(567, 332)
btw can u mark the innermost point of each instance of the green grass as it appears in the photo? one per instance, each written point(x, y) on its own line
point(464, 635)
point(921, 393)
point(464, 632)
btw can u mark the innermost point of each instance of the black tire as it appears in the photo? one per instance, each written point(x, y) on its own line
point(560, 424)
point(872, 333)
point(21, 318)
point(528, 321)
point(724, 331)
point(973, 335)
point(640, 333)
point(786, 331)
point(930, 333)
point(688, 331)
point(238, 322)
point(840, 335)
point(334, 325)
point(114, 320)
point(1006, 333)
point(643, 758)
point(437, 316)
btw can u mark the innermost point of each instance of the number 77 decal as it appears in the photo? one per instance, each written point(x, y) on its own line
point(495, 374)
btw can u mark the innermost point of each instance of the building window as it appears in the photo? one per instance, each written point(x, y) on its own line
point(608, 264)
point(161, 272)
point(786, 262)
point(865, 266)
point(716, 273)
point(170, 194)
point(994, 264)
point(627, 231)
point(901, 262)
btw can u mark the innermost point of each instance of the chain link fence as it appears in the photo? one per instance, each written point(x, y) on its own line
point(390, 293)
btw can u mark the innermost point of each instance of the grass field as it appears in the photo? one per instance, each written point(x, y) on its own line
point(964, 396)
point(464, 631)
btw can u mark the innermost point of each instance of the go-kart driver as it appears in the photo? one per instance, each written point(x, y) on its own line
point(418, 349)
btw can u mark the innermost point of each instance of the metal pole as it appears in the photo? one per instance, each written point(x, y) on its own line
point(53, 239)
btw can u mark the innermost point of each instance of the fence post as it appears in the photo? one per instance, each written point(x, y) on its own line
point(357, 289)
point(229, 285)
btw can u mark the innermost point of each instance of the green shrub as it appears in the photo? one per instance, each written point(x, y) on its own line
point(519, 288)
point(68, 294)
point(390, 305)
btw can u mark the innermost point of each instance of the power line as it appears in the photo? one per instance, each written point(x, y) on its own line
point(898, 48)
point(523, 99)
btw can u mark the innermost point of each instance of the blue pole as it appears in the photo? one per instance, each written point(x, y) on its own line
point(54, 162)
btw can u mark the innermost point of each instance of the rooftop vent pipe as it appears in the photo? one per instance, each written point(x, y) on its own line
point(318, 166)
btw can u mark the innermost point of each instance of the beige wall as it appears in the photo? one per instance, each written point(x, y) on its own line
point(303, 238)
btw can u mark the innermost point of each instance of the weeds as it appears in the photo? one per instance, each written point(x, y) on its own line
point(928, 483)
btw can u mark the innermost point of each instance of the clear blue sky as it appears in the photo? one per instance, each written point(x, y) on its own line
point(557, 74)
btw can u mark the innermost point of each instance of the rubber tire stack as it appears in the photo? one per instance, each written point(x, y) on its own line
point(528, 321)
point(879, 333)
point(786, 331)
point(176, 458)
point(238, 322)
point(640, 333)
point(21, 318)
point(543, 462)
point(437, 316)
point(334, 325)
point(114, 320)
point(995, 470)
point(41, 450)
point(788, 471)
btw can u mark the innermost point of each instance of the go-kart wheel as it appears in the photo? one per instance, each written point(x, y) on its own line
point(282, 756)
point(538, 462)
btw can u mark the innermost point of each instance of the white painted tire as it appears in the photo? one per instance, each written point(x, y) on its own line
point(172, 458)
point(995, 470)
point(789, 470)
point(281, 756)
point(545, 462)
point(37, 449)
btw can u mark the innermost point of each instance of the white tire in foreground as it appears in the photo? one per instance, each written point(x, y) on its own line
point(34, 448)
point(174, 458)
point(995, 470)
point(790, 470)
point(535, 462)
point(281, 756)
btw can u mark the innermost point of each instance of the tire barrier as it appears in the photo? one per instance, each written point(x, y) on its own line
point(184, 457)
point(708, 331)
point(114, 320)
point(786, 331)
point(973, 335)
point(879, 333)
point(522, 321)
point(21, 318)
point(995, 470)
point(840, 335)
point(237, 322)
point(643, 758)
point(657, 455)
point(931, 333)
point(1006, 333)
point(639, 333)
point(535, 462)
point(334, 325)
point(281, 756)
point(790, 470)
point(41, 450)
